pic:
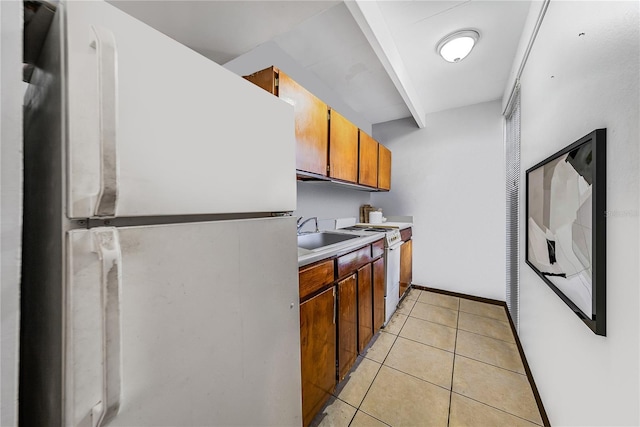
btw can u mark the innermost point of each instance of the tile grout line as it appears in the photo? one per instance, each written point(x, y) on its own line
point(496, 408)
point(493, 338)
point(499, 367)
point(365, 412)
point(491, 364)
point(464, 311)
point(395, 340)
point(453, 367)
point(454, 352)
point(354, 414)
point(374, 379)
point(380, 368)
point(420, 342)
point(435, 323)
point(487, 336)
point(418, 378)
point(441, 324)
point(486, 317)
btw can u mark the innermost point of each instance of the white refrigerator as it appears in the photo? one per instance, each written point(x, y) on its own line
point(160, 282)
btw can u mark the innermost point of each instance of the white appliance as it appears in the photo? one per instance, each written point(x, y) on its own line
point(393, 242)
point(157, 288)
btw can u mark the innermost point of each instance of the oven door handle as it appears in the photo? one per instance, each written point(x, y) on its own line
point(396, 246)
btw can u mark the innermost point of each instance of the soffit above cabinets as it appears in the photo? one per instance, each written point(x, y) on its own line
point(383, 65)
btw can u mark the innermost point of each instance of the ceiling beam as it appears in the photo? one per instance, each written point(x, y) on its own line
point(369, 18)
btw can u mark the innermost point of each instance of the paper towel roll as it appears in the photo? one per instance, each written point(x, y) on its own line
point(375, 217)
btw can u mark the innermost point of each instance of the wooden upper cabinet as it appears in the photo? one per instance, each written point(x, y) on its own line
point(266, 79)
point(312, 139)
point(384, 167)
point(368, 161)
point(343, 148)
point(323, 143)
point(312, 133)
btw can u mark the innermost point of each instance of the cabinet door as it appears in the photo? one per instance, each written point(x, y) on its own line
point(406, 265)
point(347, 325)
point(266, 79)
point(312, 133)
point(384, 168)
point(378, 294)
point(343, 148)
point(368, 169)
point(318, 352)
point(365, 307)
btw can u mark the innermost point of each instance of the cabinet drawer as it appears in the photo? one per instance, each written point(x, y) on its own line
point(352, 261)
point(377, 249)
point(406, 234)
point(314, 277)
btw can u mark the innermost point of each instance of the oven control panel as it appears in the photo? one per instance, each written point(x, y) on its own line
point(393, 237)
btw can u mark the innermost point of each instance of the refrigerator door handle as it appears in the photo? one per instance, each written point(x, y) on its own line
point(105, 46)
point(107, 241)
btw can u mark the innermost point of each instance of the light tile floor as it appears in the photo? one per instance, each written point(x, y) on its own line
point(441, 361)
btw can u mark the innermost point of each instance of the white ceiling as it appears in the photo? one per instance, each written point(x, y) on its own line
point(222, 30)
point(325, 39)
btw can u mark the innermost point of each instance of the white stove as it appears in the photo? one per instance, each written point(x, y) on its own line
point(392, 234)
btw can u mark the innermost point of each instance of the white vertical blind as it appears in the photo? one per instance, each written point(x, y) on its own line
point(512, 157)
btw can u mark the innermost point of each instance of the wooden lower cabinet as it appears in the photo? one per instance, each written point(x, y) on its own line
point(347, 325)
point(339, 322)
point(406, 265)
point(378, 294)
point(318, 352)
point(365, 307)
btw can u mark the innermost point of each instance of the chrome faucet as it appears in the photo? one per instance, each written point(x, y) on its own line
point(301, 224)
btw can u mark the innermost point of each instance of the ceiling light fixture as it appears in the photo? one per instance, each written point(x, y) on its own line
point(456, 46)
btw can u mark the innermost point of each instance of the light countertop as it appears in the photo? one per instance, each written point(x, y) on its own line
point(306, 256)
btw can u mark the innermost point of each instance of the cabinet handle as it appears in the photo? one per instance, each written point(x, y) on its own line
point(108, 244)
point(334, 305)
point(105, 46)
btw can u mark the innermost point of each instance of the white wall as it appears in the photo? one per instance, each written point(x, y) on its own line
point(586, 379)
point(450, 177)
point(527, 37)
point(11, 91)
point(328, 202)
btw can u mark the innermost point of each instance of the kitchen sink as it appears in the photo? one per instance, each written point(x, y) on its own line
point(313, 241)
